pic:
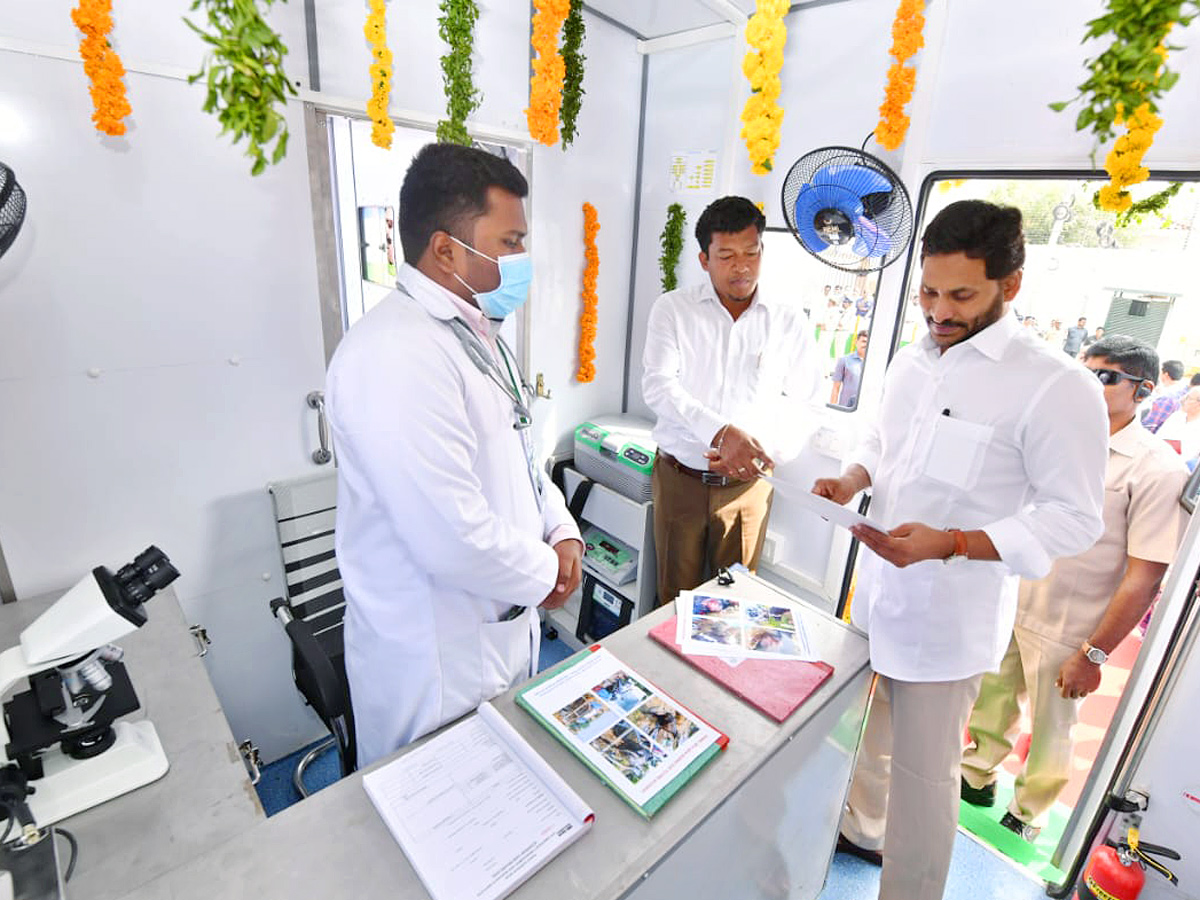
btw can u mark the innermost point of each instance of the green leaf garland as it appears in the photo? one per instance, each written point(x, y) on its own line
point(247, 87)
point(1131, 71)
point(1152, 205)
point(573, 59)
point(456, 26)
point(672, 246)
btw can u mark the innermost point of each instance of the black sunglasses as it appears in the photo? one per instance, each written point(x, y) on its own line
point(1112, 376)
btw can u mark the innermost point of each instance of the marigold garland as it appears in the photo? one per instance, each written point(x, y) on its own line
point(102, 65)
point(590, 317)
point(1130, 74)
point(1124, 160)
point(549, 70)
point(381, 76)
point(907, 38)
point(762, 117)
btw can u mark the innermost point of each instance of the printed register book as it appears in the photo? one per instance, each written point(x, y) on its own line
point(476, 810)
point(639, 741)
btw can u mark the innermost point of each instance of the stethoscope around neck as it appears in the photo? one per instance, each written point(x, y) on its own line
point(515, 387)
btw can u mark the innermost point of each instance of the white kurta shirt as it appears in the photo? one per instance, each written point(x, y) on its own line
point(1000, 433)
point(439, 531)
point(703, 370)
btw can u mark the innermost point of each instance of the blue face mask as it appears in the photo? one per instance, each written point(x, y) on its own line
point(516, 273)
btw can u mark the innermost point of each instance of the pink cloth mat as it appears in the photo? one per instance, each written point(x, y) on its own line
point(772, 686)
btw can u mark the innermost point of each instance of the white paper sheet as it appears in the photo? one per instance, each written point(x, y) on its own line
point(473, 817)
point(713, 623)
point(843, 516)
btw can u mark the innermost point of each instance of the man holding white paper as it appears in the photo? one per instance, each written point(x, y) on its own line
point(987, 462)
point(732, 378)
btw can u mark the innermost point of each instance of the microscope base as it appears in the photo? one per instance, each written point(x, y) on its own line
point(73, 785)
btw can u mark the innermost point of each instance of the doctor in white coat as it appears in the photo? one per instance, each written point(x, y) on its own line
point(447, 536)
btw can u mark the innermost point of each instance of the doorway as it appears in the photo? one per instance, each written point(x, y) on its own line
point(1076, 254)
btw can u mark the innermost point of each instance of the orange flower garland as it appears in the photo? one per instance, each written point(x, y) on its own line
point(907, 39)
point(549, 70)
point(381, 76)
point(102, 65)
point(590, 316)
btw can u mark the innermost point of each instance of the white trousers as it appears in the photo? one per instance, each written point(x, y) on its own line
point(904, 796)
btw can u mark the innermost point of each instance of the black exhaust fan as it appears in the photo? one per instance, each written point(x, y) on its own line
point(12, 208)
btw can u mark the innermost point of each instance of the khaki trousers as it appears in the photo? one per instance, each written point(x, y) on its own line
point(903, 799)
point(698, 528)
point(1027, 674)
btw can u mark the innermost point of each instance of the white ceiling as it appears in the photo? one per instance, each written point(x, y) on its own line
point(655, 18)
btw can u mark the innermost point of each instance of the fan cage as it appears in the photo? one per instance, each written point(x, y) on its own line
point(893, 216)
point(12, 207)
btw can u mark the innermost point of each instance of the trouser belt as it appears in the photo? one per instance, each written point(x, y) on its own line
point(712, 479)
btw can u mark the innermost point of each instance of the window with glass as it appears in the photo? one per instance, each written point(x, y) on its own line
point(1088, 272)
point(840, 307)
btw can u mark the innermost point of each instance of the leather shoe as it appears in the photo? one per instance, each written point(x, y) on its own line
point(1020, 829)
point(845, 845)
point(984, 796)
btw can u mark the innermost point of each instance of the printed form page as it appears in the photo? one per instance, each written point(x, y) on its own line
point(473, 818)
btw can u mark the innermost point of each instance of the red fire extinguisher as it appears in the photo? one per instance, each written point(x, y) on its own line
point(1119, 872)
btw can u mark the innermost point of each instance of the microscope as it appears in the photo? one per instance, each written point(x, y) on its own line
point(60, 744)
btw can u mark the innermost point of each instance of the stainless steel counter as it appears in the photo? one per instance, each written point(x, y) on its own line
point(204, 799)
point(759, 822)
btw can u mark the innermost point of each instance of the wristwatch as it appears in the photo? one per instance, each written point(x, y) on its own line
point(1094, 654)
point(960, 547)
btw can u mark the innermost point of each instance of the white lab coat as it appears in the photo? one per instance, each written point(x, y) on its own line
point(438, 529)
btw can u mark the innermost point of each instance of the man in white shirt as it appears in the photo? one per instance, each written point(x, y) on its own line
point(1182, 427)
point(447, 536)
point(1069, 621)
point(733, 380)
point(986, 463)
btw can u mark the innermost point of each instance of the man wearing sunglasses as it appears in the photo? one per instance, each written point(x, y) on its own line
point(1071, 620)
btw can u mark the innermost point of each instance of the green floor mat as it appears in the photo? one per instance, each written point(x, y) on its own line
point(984, 823)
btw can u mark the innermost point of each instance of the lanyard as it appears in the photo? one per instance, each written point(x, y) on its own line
point(515, 388)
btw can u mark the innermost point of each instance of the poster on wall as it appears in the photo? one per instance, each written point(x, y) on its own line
point(693, 171)
point(377, 244)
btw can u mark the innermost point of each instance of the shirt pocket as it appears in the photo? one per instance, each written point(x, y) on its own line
point(957, 452)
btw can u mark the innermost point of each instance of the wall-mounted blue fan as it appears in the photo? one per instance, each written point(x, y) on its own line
point(848, 209)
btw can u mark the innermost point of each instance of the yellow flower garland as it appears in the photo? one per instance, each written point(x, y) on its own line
point(381, 76)
point(549, 70)
point(762, 117)
point(907, 39)
point(102, 65)
point(1124, 160)
point(590, 316)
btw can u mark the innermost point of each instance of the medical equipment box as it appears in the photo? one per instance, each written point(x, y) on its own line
point(618, 452)
point(611, 559)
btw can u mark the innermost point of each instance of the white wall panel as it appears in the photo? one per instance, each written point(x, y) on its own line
point(600, 167)
point(190, 288)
